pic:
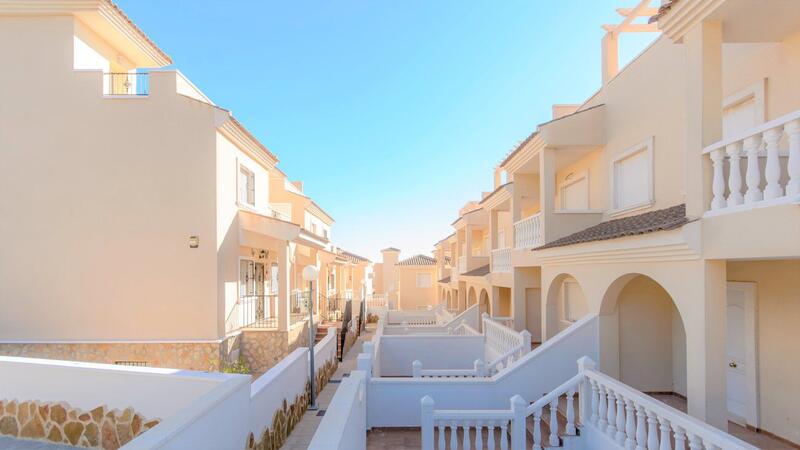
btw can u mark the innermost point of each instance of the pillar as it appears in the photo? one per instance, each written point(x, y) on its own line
point(610, 54)
point(703, 45)
point(284, 285)
point(547, 193)
point(518, 300)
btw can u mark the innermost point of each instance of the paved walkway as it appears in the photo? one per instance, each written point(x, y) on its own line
point(7, 443)
point(302, 434)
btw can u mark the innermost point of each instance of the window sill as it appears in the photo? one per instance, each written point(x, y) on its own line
point(633, 208)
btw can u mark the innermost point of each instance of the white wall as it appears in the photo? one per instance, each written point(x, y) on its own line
point(394, 402)
point(310, 220)
point(344, 426)
point(434, 352)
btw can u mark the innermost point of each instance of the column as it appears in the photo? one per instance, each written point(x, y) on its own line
point(284, 285)
point(703, 45)
point(547, 193)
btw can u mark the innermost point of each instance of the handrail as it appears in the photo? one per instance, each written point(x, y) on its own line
point(752, 131)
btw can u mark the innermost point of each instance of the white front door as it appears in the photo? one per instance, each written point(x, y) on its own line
point(740, 353)
point(737, 382)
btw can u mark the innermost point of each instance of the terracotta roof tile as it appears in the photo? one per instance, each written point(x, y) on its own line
point(649, 222)
point(418, 260)
point(479, 272)
point(352, 257)
point(662, 10)
point(445, 279)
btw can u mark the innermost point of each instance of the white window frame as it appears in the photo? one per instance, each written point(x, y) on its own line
point(252, 175)
point(569, 182)
point(646, 146)
point(430, 279)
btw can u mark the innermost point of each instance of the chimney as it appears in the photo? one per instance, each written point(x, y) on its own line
point(298, 185)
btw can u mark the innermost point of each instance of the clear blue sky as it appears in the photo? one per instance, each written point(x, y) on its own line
point(370, 102)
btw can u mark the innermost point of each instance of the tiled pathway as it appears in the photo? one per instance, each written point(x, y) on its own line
point(304, 431)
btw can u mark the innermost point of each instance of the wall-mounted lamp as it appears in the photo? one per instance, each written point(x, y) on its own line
point(194, 241)
point(263, 254)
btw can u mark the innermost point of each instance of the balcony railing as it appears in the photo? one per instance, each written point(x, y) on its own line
point(528, 232)
point(760, 167)
point(126, 83)
point(462, 264)
point(501, 260)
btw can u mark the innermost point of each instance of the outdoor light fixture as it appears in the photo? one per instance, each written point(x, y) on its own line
point(194, 241)
point(263, 254)
point(310, 274)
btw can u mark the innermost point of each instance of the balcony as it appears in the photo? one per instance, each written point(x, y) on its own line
point(126, 84)
point(501, 260)
point(758, 168)
point(528, 232)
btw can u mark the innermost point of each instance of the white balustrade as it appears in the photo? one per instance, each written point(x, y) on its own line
point(528, 232)
point(376, 302)
point(501, 260)
point(464, 330)
point(478, 370)
point(766, 158)
point(499, 429)
point(503, 344)
point(629, 418)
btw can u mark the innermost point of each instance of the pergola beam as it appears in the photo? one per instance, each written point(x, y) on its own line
point(632, 28)
point(644, 12)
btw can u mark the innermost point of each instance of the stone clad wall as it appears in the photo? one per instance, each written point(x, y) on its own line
point(58, 422)
point(202, 356)
point(263, 348)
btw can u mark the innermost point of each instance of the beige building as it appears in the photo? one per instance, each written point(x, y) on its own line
point(669, 204)
point(175, 239)
point(408, 284)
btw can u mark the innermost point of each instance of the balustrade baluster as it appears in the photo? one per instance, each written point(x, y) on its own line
point(680, 438)
point(620, 436)
point(718, 180)
point(734, 152)
point(641, 427)
point(554, 442)
point(467, 445)
point(602, 421)
point(570, 430)
point(537, 430)
point(753, 174)
point(793, 165)
point(772, 171)
point(665, 434)
point(611, 415)
point(503, 435)
point(454, 435)
point(630, 425)
point(478, 435)
point(695, 443)
point(490, 435)
point(595, 403)
point(652, 431)
point(442, 428)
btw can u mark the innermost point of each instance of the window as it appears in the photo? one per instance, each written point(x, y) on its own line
point(575, 192)
point(423, 280)
point(325, 233)
point(743, 110)
point(247, 187)
point(314, 228)
point(632, 177)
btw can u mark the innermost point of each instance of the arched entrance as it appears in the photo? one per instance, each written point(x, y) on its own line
point(472, 298)
point(485, 305)
point(566, 304)
point(642, 336)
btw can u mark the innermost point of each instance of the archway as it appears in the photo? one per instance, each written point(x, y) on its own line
point(642, 336)
point(472, 297)
point(566, 304)
point(485, 305)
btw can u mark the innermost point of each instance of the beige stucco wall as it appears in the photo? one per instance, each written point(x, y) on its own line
point(778, 291)
point(100, 248)
point(651, 339)
point(410, 296)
